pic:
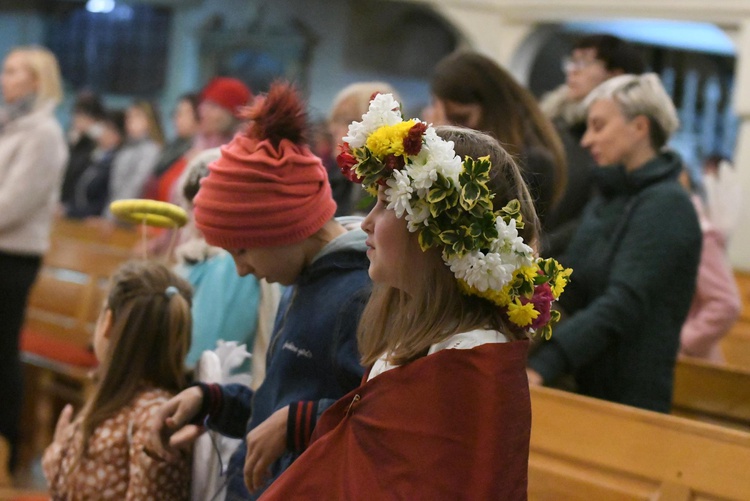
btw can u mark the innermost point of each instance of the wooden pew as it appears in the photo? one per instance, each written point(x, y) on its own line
point(712, 392)
point(736, 344)
point(588, 449)
point(116, 236)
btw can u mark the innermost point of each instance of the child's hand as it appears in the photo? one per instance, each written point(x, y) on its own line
point(265, 444)
point(170, 428)
point(63, 423)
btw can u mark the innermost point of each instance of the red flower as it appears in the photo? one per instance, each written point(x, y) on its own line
point(413, 139)
point(393, 162)
point(346, 161)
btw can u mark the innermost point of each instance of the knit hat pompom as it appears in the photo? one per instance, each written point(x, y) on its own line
point(278, 115)
point(267, 189)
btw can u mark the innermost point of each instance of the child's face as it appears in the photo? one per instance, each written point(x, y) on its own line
point(392, 250)
point(281, 264)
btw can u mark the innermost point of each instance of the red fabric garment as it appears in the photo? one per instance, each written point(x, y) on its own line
point(452, 425)
point(167, 181)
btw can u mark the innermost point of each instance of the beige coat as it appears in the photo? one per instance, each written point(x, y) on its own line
point(33, 155)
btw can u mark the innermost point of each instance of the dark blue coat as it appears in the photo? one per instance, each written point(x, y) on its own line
point(312, 356)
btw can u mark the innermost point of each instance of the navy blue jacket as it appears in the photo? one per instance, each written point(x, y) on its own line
point(312, 358)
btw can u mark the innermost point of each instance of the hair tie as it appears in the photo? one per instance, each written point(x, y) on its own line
point(171, 291)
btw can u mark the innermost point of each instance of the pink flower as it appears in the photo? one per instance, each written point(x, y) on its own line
point(542, 301)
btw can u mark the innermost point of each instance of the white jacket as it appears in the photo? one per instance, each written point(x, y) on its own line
point(33, 155)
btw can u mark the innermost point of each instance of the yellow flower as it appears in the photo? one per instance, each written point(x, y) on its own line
point(389, 139)
point(561, 280)
point(529, 273)
point(521, 314)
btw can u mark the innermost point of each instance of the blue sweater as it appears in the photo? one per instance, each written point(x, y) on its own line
point(225, 305)
point(312, 358)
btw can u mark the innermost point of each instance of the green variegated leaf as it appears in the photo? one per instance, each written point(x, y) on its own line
point(449, 237)
point(428, 238)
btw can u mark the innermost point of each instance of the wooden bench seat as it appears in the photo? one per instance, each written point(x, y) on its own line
point(736, 344)
point(717, 393)
point(588, 449)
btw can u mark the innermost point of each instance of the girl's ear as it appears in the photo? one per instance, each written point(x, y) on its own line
point(107, 322)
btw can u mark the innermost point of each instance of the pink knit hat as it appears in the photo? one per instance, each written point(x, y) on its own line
point(229, 93)
point(267, 189)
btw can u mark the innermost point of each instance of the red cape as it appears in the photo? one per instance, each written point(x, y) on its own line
point(452, 425)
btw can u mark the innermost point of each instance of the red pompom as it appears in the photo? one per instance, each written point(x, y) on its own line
point(278, 115)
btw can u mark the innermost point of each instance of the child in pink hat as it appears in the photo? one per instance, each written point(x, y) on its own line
point(268, 202)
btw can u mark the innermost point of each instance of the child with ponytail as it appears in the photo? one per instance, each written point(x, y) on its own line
point(141, 339)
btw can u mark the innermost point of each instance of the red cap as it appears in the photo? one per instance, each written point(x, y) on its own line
point(267, 189)
point(229, 93)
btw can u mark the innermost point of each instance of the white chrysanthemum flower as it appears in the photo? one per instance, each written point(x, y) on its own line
point(357, 135)
point(482, 271)
point(510, 243)
point(420, 212)
point(399, 193)
point(423, 176)
point(441, 156)
point(384, 110)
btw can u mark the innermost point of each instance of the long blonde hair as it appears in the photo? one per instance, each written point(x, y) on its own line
point(43, 64)
point(404, 326)
point(149, 338)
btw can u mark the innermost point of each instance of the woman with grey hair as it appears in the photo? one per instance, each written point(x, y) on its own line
point(635, 255)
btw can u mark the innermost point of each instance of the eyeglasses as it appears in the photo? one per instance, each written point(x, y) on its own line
point(570, 64)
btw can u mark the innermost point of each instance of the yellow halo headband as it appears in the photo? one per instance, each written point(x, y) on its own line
point(149, 212)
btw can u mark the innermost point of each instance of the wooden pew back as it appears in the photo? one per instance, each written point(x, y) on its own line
point(67, 297)
point(585, 449)
point(712, 392)
point(736, 344)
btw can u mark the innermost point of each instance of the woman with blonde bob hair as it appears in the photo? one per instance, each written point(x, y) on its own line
point(33, 155)
point(635, 253)
point(349, 104)
point(444, 410)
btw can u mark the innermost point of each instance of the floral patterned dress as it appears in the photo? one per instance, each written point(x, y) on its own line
point(116, 466)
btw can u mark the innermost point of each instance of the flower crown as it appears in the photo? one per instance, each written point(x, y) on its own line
point(449, 204)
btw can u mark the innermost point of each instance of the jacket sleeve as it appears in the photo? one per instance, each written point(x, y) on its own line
point(226, 408)
point(303, 416)
point(35, 173)
point(660, 241)
point(717, 301)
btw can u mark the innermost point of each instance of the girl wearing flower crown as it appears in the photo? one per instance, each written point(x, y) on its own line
point(444, 411)
point(141, 339)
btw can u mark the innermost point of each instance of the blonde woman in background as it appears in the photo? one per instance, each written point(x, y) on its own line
point(33, 154)
point(348, 106)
